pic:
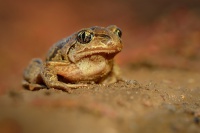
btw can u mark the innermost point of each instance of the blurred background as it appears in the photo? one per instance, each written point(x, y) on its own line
point(155, 33)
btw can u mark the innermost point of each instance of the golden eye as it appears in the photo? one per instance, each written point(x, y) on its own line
point(118, 32)
point(84, 37)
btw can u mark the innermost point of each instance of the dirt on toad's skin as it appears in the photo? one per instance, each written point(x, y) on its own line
point(150, 100)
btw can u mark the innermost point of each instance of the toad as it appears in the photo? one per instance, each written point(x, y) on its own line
point(85, 57)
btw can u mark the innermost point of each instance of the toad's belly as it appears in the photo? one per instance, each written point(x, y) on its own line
point(87, 70)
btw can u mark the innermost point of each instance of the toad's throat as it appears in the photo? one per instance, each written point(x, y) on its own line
point(106, 53)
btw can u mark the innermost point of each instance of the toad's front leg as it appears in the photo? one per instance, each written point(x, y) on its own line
point(50, 76)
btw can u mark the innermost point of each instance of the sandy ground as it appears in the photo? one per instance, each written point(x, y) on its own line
point(152, 100)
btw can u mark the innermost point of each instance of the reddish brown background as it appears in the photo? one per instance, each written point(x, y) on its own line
point(155, 33)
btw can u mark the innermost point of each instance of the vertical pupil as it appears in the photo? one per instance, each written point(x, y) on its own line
point(83, 36)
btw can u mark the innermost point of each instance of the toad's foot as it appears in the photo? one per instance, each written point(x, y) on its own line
point(32, 86)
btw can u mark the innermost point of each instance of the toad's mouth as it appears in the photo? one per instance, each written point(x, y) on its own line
point(106, 53)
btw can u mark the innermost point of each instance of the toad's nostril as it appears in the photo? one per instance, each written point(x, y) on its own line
point(105, 41)
point(103, 36)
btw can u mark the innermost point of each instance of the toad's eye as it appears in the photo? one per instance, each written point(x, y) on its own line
point(118, 32)
point(84, 37)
